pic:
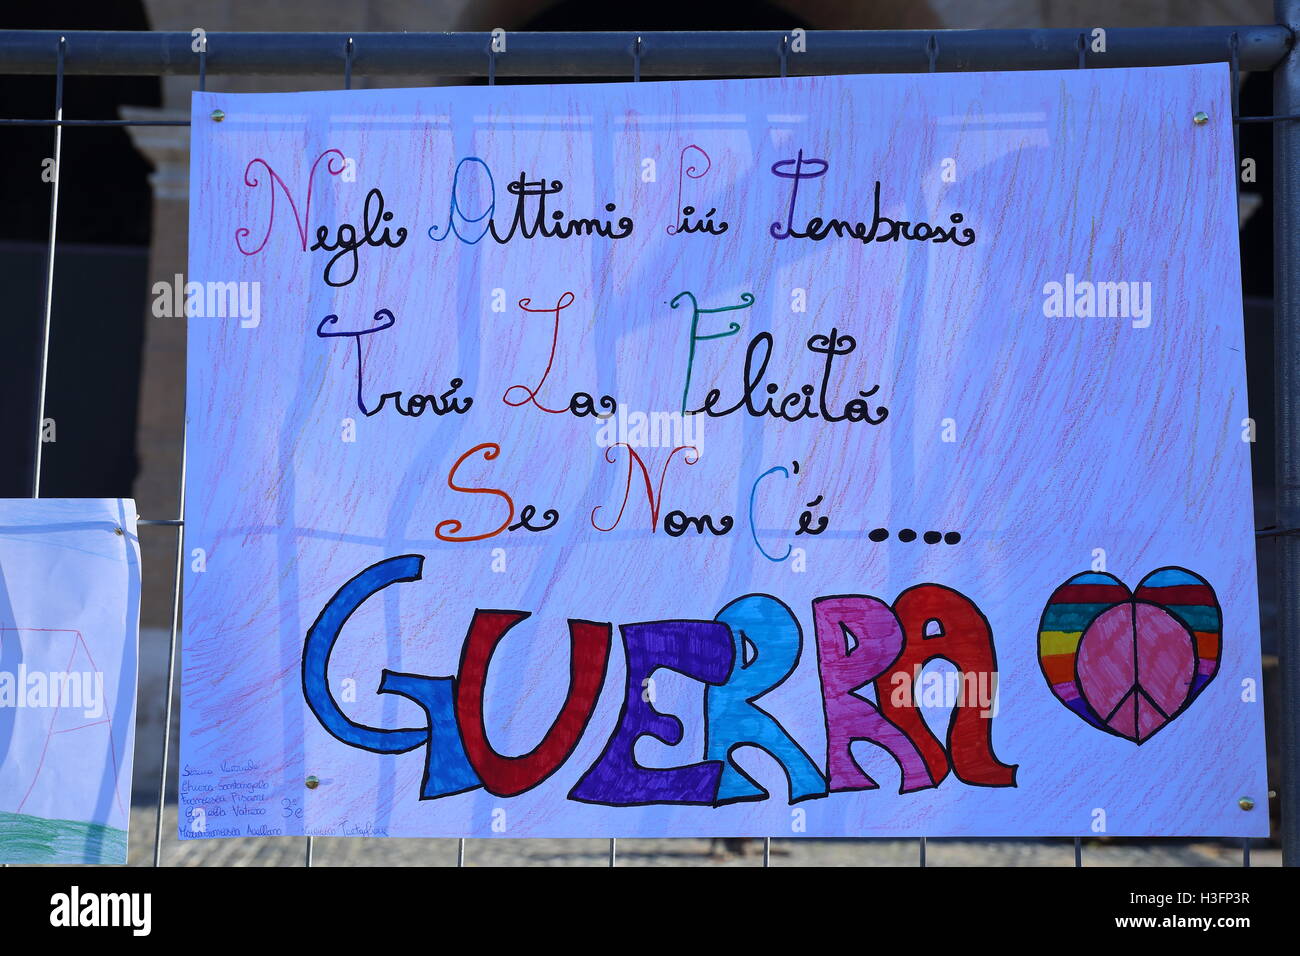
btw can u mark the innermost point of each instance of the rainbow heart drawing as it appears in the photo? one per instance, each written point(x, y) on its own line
point(1129, 663)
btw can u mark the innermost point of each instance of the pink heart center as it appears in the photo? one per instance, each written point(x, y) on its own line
point(1136, 665)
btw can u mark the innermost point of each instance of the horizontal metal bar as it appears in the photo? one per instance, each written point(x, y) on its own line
point(91, 122)
point(95, 122)
point(162, 522)
point(720, 54)
point(1271, 532)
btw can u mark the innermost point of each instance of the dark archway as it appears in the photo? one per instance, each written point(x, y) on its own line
point(101, 270)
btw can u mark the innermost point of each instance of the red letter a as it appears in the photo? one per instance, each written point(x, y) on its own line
point(964, 638)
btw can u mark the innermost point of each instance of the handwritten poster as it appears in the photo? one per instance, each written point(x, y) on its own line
point(844, 456)
point(69, 621)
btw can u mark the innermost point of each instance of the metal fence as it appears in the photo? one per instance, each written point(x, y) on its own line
point(730, 54)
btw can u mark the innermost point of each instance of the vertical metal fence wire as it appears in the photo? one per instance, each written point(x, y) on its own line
point(49, 264)
point(1286, 390)
point(491, 81)
point(177, 587)
point(636, 78)
point(347, 85)
point(48, 297)
point(1083, 65)
point(738, 54)
point(1234, 48)
point(932, 58)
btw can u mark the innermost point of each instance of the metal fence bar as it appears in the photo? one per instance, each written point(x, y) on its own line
point(347, 85)
point(91, 122)
point(663, 54)
point(49, 269)
point(22, 121)
point(49, 278)
point(1234, 50)
point(177, 582)
point(179, 524)
point(1083, 65)
point(1286, 331)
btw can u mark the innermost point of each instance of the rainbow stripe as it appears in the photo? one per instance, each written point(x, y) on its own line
point(1191, 600)
point(1070, 610)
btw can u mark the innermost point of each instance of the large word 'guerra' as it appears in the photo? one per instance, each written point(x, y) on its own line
point(751, 647)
